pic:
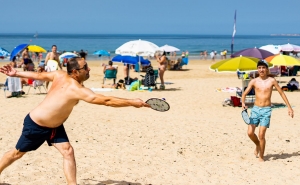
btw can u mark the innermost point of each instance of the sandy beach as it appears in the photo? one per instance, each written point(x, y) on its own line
point(198, 141)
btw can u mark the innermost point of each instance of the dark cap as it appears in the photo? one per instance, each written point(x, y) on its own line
point(262, 63)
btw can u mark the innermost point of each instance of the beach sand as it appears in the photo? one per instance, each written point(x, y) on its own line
point(198, 141)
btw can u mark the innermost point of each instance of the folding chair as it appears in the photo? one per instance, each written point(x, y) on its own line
point(110, 74)
point(13, 84)
point(36, 84)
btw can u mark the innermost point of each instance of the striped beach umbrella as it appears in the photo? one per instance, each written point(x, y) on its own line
point(4, 52)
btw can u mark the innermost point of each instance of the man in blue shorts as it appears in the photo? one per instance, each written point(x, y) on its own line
point(261, 112)
point(45, 122)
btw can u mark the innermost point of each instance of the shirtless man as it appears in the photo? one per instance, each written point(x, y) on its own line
point(52, 56)
point(45, 122)
point(25, 57)
point(261, 111)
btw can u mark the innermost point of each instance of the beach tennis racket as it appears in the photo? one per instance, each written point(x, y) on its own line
point(245, 116)
point(158, 104)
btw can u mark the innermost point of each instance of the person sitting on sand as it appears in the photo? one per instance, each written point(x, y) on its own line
point(109, 66)
point(261, 111)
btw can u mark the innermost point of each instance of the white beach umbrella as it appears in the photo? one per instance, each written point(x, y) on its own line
point(138, 47)
point(290, 47)
point(168, 48)
point(275, 49)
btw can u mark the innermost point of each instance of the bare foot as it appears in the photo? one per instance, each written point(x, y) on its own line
point(256, 151)
point(261, 159)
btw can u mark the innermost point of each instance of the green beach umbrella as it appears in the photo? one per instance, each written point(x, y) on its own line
point(241, 63)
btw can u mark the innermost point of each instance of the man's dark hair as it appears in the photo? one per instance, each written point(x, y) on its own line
point(54, 46)
point(262, 63)
point(73, 64)
point(110, 63)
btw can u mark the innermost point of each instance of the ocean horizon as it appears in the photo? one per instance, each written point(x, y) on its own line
point(192, 43)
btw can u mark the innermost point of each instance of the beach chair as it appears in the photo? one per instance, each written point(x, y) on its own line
point(110, 74)
point(184, 61)
point(36, 84)
point(13, 84)
point(250, 97)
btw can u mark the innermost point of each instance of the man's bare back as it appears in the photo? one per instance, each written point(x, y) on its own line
point(52, 113)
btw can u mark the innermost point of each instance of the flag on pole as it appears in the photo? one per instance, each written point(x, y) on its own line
point(234, 31)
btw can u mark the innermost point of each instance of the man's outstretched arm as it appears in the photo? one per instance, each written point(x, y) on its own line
point(10, 71)
point(290, 110)
point(89, 96)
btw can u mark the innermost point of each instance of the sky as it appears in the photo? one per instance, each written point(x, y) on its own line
point(254, 17)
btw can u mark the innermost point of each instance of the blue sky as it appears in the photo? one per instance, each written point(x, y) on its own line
point(150, 17)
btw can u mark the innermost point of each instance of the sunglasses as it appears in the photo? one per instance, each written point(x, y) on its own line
point(85, 67)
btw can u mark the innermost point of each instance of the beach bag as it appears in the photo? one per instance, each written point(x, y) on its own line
point(236, 101)
point(149, 77)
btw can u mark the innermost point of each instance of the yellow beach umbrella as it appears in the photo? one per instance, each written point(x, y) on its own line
point(236, 64)
point(35, 48)
point(284, 60)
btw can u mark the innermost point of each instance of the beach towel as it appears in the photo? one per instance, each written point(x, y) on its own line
point(14, 84)
point(227, 89)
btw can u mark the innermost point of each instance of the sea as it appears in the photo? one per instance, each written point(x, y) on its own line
point(194, 44)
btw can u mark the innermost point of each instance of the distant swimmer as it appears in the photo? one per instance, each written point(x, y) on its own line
point(261, 111)
point(53, 56)
point(45, 122)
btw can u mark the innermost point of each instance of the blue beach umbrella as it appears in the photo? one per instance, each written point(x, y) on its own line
point(102, 53)
point(4, 52)
point(130, 60)
point(68, 56)
point(17, 50)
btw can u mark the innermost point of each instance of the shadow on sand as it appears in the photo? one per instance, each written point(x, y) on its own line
point(281, 156)
point(114, 182)
point(168, 89)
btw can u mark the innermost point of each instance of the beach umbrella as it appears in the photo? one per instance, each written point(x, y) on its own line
point(67, 55)
point(284, 60)
point(240, 63)
point(290, 47)
point(17, 50)
point(4, 52)
point(36, 49)
point(137, 47)
point(131, 60)
point(253, 52)
point(168, 48)
point(275, 49)
point(102, 53)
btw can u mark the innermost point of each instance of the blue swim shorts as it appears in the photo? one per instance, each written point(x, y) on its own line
point(260, 116)
point(34, 135)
